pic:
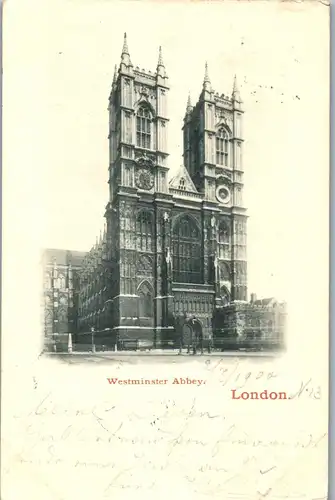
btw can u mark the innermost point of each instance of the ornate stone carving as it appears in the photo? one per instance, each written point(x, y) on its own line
point(145, 159)
point(226, 173)
point(144, 266)
point(144, 91)
point(122, 209)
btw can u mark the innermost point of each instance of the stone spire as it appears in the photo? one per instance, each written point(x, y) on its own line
point(236, 93)
point(207, 82)
point(160, 64)
point(125, 57)
point(189, 106)
point(125, 49)
point(160, 57)
point(115, 74)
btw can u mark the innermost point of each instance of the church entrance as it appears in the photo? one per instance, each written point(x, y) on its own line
point(192, 337)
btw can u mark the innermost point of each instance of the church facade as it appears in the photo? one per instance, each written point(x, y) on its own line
point(177, 250)
point(171, 266)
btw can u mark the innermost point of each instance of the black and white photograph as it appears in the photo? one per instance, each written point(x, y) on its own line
point(165, 278)
point(168, 271)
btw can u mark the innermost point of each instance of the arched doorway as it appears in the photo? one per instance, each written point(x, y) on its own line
point(187, 336)
point(192, 335)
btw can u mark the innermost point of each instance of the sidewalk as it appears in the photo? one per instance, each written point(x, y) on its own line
point(162, 352)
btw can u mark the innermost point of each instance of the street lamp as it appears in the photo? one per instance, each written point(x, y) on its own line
point(194, 339)
point(108, 301)
point(93, 345)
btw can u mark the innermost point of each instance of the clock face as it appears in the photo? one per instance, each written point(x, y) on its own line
point(223, 194)
point(144, 179)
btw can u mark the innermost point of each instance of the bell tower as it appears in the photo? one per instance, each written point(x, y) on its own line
point(213, 156)
point(138, 180)
point(138, 126)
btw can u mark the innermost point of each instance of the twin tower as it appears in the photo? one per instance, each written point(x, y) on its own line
point(176, 248)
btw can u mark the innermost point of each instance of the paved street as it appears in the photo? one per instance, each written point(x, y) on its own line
point(152, 356)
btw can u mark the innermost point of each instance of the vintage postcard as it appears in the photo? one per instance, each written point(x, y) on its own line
point(165, 251)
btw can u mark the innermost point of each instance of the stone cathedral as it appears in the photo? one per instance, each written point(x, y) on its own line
point(171, 266)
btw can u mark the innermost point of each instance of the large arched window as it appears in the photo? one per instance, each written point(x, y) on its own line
point(223, 240)
point(144, 231)
point(143, 128)
point(186, 242)
point(146, 303)
point(222, 147)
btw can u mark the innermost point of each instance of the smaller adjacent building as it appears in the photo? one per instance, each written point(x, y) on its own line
point(259, 324)
point(60, 296)
point(94, 304)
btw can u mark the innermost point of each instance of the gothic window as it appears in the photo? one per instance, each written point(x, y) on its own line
point(222, 146)
point(62, 320)
point(61, 281)
point(144, 230)
point(186, 242)
point(225, 297)
point(144, 267)
point(182, 185)
point(224, 272)
point(143, 128)
point(146, 303)
point(127, 176)
point(223, 240)
point(48, 323)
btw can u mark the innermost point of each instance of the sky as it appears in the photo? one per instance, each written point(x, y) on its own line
point(58, 75)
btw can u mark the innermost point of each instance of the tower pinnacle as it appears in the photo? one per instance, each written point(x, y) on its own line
point(125, 57)
point(189, 106)
point(160, 64)
point(115, 74)
point(125, 49)
point(236, 93)
point(207, 82)
point(160, 57)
